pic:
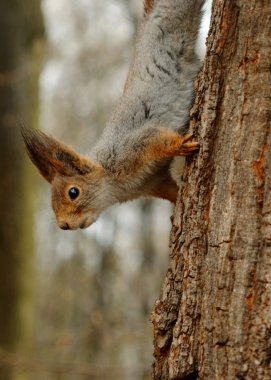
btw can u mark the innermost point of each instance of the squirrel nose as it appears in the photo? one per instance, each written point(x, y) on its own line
point(64, 226)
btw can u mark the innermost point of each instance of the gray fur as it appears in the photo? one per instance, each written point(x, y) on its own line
point(134, 155)
point(160, 85)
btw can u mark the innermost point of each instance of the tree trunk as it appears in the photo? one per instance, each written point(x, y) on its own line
point(16, 240)
point(213, 317)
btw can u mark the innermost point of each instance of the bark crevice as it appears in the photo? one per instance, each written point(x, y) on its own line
point(215, 304)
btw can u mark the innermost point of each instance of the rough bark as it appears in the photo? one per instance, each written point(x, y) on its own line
point(213, 317)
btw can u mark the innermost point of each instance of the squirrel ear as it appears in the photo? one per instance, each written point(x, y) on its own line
point(51, 156)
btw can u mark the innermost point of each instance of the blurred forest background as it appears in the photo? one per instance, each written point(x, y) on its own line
point(73, 305)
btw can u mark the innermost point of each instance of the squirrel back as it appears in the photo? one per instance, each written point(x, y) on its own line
point(160, 83)
point(146, 131)
point(160, 80)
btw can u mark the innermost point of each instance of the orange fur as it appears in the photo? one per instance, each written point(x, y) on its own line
point(165, 145)
point(166, 192)
point(148, 5)
point(134, 156)
point(99, 188)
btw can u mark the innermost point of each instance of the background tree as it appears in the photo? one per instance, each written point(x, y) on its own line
point(213, 318)
point(20, 23)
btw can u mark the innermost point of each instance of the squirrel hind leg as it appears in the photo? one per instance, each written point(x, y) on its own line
point(148, 6)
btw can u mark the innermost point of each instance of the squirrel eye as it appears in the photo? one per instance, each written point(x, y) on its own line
point(73, 193)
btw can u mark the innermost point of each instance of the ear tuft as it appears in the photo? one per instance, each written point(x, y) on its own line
point(72, 160)
point(51, 156)
point(39, 147)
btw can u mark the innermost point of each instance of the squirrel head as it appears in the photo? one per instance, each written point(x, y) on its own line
point(78, 184)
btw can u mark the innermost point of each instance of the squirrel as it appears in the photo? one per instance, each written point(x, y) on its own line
point(147, 130)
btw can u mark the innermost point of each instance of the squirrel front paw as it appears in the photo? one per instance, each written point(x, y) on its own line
point(187, 146)
point(165, 144)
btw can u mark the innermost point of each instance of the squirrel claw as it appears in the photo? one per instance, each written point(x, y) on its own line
point(186, 147)
point(187, 137)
